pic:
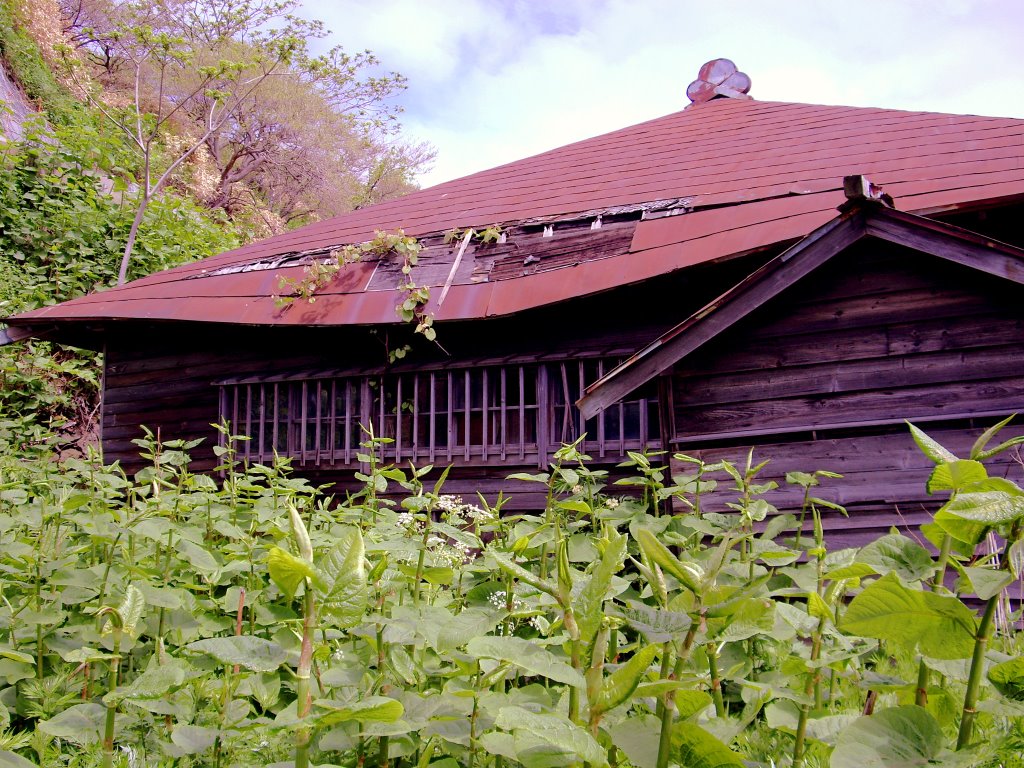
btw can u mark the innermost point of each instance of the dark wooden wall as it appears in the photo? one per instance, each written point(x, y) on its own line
point(162, 376)
point(823, 377)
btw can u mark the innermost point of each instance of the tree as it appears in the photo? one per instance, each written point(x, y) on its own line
point(306, 158)
point(233, 78)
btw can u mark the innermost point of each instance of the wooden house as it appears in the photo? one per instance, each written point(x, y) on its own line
point(686, 284)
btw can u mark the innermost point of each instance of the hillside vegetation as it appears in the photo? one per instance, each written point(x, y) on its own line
point(238, 131)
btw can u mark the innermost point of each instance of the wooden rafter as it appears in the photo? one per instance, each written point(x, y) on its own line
point(867, 219)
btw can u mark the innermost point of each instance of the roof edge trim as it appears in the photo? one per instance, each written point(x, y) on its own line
point(864, 219)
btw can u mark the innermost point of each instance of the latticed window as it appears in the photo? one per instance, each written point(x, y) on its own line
point(480, 415)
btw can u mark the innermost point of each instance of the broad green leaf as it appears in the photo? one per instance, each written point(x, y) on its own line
point(696, 748)
point(589, 603)
point(247, 651)
point(498, 743)
point(200, 557)
point(288, 571)
point(554, 731)
point(81, 724)
point(803, 479)
point(131, 609)
point(773, 554)
point(541, 477)
point(527, 656)
point(14, 760)
point(817, 607)
point(688, 574)
point(576, 505)
point(929, 447)
point(620, 684)
point(460, 629)
point(155, 682)
point(968, 532)
point(987, 582)
point(432, 574)
point(10, 653)
point(655, 624)
point(161, 597)
point(752, 617)
point(852, 571)
point(691, 703)
point(373, 709)
point(638, 738)
point(989, 507)
point(1008, 678)
point(900, 737)
point(956, 475)
point(894, 552)
point(343, 594)
point(724, 601)
point(941, 626)
point(193, 739)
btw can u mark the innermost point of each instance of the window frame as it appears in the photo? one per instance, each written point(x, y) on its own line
point(473, 415)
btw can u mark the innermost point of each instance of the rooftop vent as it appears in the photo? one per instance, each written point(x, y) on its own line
point(718, 79)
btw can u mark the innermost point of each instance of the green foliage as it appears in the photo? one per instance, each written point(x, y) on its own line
point(247, 620)
point(61, 226)
point(61, 229)
point(413, 298)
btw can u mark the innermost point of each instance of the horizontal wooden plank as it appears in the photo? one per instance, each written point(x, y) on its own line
point(935, 335)
point(805, 413)
point(858, 375)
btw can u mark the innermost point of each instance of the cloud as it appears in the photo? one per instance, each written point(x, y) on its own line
point(493, 81)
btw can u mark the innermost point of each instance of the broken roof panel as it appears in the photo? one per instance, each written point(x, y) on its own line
point(740, 175)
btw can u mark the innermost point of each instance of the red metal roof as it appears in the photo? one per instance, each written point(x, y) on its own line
point(754, 174)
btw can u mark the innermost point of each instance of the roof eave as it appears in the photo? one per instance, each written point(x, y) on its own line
point(862, 219)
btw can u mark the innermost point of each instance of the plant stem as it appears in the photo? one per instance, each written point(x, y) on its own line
point(974, 678)
point(981, 639)
point(419, 563)
point(669, 706)
point(805, 709)
point(108, 726)
point(921, 693)
point(569, 619)
point(716, 681)
point(304, 703)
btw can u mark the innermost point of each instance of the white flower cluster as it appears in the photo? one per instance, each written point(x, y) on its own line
point(611, 503)
point(457, 510)
point(499, 599)
point(407, 520)
point(451, 553)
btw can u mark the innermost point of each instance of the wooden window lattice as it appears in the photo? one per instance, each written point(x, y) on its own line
point(472, 415)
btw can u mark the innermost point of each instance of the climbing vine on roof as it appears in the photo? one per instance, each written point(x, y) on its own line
point(411, 307)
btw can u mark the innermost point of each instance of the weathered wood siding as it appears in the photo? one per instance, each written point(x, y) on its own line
point(823, 377)
point(163, 376)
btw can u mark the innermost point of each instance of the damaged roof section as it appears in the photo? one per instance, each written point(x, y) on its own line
point(528, 247)
point(718, 180)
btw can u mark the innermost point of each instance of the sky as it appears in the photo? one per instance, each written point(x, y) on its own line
point(492, 81)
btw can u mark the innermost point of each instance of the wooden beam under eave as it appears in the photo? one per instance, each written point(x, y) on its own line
point(948, 242)
point(732, 306)
point(14, 334)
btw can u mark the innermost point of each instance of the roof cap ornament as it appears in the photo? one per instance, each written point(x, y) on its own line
point(718, 78)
